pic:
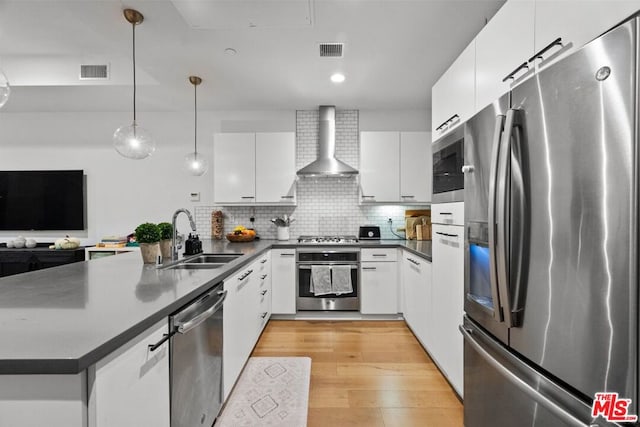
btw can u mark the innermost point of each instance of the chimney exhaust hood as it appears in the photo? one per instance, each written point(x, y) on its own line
point(326, 164)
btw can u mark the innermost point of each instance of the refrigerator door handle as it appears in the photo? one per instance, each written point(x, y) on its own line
point(519, 219)
point(503, 206)
point(534, 394)
point(495, 151)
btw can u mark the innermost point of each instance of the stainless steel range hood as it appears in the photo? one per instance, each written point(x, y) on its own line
point(326, 164)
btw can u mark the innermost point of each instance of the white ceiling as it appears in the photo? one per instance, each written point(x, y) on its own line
point(395, 50)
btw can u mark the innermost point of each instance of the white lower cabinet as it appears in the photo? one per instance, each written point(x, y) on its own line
point(239, 323)
point(448, 301)
point(130, 387)
point(283, 281)
point(416, 284)
point(378, 281)
point(246, 312)
point(264, 291)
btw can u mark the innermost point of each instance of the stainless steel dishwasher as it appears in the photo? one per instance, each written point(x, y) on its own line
point(196, 361)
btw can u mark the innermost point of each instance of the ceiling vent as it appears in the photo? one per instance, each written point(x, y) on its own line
point(331, 50)
point(94, 72)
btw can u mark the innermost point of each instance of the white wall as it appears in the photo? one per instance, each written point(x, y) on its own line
point(123, 193)
point(395, 120)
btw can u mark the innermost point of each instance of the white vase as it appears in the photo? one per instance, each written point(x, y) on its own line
point(283, 233)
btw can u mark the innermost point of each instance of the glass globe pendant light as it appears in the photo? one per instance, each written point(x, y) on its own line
point(5, 89)
point(195, 163)
point(133, 141)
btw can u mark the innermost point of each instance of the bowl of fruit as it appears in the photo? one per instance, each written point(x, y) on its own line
point(241, 234)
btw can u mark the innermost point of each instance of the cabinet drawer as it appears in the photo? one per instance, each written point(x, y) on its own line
point(448, 213)
point(263, 263)
point(450, 235)
point(382, 254)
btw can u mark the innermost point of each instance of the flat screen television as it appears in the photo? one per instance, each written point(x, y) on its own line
point(42, 200)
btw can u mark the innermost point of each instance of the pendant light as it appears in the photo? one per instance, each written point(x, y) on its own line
point(5, 89)
point(133, 141)
point(195, 162)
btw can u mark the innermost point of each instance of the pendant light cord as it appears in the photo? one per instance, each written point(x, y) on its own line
point(195, 120)
point(134, 72)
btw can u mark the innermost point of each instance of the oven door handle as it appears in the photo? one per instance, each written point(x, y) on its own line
point(308, 266)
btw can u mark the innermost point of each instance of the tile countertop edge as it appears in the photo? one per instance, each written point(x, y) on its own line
point(72, 366)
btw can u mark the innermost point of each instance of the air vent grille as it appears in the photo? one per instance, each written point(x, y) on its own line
point(94, 72)
point(331, 50)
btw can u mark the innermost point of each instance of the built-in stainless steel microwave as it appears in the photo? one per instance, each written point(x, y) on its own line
point(448, 158)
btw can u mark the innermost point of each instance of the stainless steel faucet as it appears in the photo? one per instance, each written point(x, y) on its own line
point(174, 247)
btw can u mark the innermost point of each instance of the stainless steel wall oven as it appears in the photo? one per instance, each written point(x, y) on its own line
point(314, 257)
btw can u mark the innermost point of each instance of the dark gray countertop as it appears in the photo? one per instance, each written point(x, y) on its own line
point(63, 319)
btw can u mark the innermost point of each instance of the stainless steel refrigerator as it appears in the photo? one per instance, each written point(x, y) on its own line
point(551, 240)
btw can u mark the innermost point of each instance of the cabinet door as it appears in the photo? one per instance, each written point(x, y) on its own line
point(453, 95)
point(379, 288)
point(240, 323)
point(234, 168)
point(275, 167)
point(47, 259)
point(416, 276)
point(448, 300)
point(283, 281)
point(576, 22)
point(406, 279)
point(415, 167)
point(502, 45)
point(131, 385)
point(16, 262)
point(380, 166)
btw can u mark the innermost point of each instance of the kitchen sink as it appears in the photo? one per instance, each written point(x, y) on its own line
point(203, 261)
point(212, 258)
point(195, 266)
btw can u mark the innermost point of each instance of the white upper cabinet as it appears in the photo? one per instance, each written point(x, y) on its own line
point(275, 167)
point(380, 166)
point(395, 167)
point(520, 38)
point(453, 96)
point(415, 167)
point(576, 23)
point(234, 167)
point(504, 44)
point(254, 168)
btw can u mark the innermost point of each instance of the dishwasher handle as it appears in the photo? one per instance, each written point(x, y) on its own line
point(186, 326)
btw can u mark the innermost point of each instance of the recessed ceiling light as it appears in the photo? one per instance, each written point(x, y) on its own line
point(337, 78)
point(230, 51)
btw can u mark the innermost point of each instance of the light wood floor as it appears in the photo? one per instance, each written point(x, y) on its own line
point(372, 374)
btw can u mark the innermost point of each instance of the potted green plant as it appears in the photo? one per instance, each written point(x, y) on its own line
point(148, 236)
point(166, 235)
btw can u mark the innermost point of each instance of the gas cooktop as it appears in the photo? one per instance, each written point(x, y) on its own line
point(327, 239)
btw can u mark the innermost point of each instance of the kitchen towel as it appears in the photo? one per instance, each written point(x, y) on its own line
point(341, 279)
point(320, 280)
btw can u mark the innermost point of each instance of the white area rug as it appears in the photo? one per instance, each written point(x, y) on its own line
point(272, 391)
